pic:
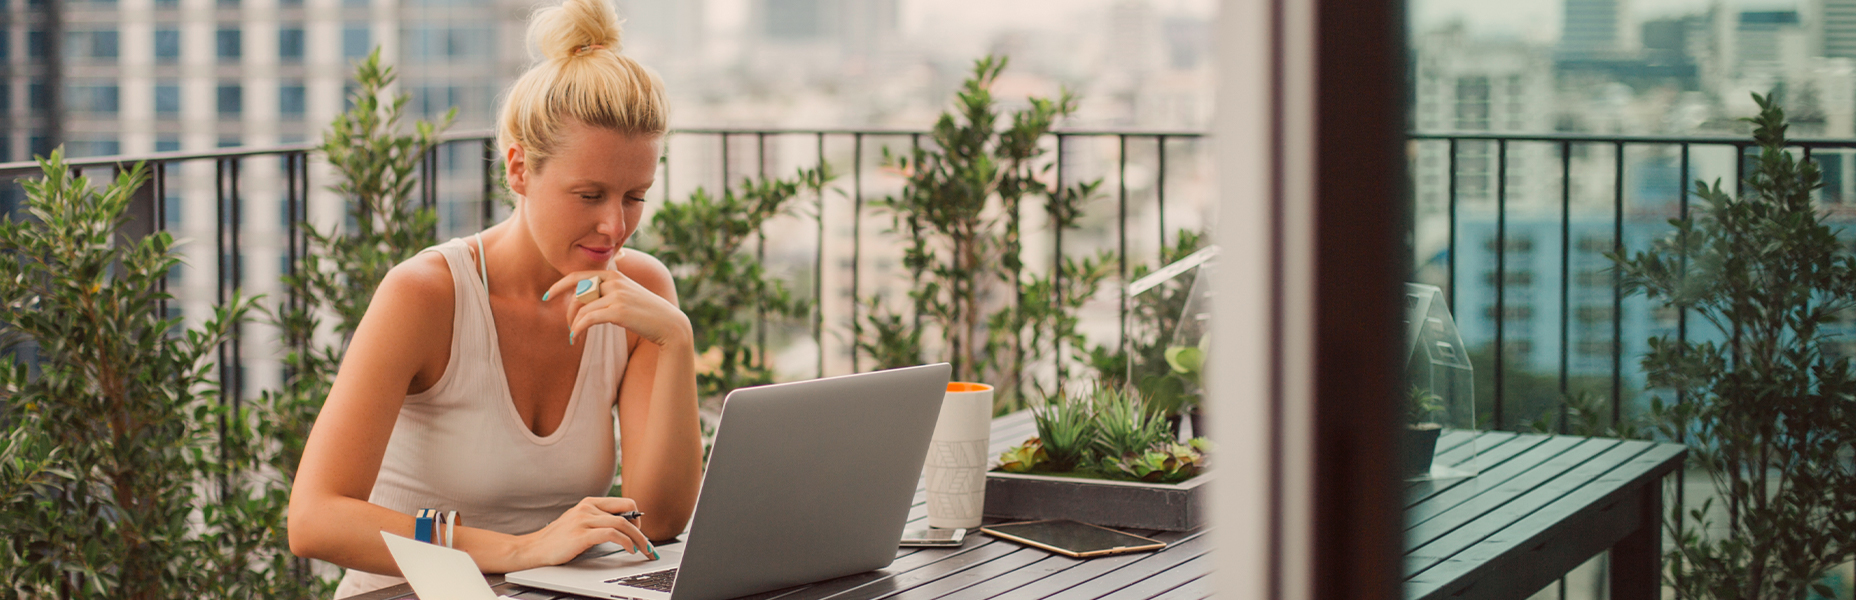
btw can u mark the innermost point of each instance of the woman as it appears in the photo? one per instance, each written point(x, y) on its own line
point(481, 381)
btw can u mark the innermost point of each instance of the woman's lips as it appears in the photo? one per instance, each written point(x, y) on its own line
point(597, 252)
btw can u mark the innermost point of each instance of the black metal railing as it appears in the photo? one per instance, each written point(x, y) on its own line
point(1647, 211)
point(458, 177)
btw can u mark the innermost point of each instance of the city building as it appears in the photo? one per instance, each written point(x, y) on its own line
point(1594, 28)
point(1837, 20)
point(1466, 84)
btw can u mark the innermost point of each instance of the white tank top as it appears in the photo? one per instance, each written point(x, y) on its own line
point(461, 445)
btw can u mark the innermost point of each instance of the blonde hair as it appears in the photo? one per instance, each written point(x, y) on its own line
point(580, 76)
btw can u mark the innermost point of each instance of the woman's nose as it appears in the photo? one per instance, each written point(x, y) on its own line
point(613, 224)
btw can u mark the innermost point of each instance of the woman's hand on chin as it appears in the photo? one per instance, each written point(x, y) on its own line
point(623, 302)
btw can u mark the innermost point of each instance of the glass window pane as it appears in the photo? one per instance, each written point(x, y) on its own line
point(231, 100)
point(37, 44)
point(167, 99)
point(39, 95)
point(227, 44)
point(103, 44)
point(290, 44)
point(167, 45)
point(91, 98)
point(356, 42)
point(291, 100)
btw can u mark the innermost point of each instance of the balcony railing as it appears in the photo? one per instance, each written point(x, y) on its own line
point(1549, 206)
point(1578, 197)
point(241, 188)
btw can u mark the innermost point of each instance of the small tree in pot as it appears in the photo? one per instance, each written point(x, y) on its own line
point(1769, 413)
point(959, 212)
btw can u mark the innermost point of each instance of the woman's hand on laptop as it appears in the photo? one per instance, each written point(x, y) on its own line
point(593, 520)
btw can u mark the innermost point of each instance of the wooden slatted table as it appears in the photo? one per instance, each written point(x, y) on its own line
point(1541, 506)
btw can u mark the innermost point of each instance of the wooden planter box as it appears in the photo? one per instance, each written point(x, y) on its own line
point(1128, 504)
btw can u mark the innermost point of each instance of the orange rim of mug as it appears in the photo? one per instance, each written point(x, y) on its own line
point(960, 386)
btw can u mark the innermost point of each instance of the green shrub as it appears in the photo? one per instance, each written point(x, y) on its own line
point(958, 213)
point(376, 164)
point(114, 428)
point(721, 284)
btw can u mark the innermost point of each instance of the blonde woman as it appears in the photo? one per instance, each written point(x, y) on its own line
point(484, 377)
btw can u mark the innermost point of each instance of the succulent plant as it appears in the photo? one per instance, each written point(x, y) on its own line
point(1125, 426)
point(1024, 457)
point(1422, 406)
point(1166, 463)
point(1066, 429)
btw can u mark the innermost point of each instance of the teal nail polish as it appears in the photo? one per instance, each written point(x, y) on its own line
point(651, 548)
point(544, 296)
point(570, 338)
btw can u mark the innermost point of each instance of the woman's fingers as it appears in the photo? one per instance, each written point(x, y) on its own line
point(610, 283)
point(590, 315)
point(566, 283)
point(623, 532)
point(603, 513)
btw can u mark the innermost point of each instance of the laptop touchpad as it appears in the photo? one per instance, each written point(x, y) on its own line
point(622, 560)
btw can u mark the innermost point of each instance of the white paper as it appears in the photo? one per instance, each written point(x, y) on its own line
point(437, 572)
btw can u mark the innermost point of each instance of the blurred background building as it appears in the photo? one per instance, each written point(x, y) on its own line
point(132, 77)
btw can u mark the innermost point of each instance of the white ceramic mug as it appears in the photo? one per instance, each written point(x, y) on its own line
point(957, 457)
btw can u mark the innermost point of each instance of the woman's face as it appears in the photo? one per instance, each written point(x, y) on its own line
point(588, 198)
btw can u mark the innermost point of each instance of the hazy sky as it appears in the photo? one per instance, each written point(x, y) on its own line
point(1539, 20)
point(985, 15)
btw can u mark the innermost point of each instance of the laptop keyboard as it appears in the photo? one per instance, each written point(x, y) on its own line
point(655, 580)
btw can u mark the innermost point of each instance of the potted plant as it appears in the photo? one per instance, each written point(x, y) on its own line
point(1102, 457)
point(959, 212)
point(1421, 432)
point(1442, 387)
point(1765, 398)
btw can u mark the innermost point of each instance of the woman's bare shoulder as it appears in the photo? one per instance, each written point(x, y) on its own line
point(421, 281)
point(414, 302)
point(649, 272)
point(408, 322)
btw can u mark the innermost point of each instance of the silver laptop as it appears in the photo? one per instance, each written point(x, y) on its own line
point(807, 481)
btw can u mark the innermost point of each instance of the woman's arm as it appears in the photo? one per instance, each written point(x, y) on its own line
point(659, 429)
point(330, 517)
point(402, 344)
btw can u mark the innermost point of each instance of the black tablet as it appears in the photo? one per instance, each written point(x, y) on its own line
point(1071, 538)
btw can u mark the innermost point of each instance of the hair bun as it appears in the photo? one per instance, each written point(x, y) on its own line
point(560, 32)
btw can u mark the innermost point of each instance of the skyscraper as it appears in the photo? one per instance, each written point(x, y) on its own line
point(1838, 20)
point(1593, 28)
point(1769, 42)
point(30, 78)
